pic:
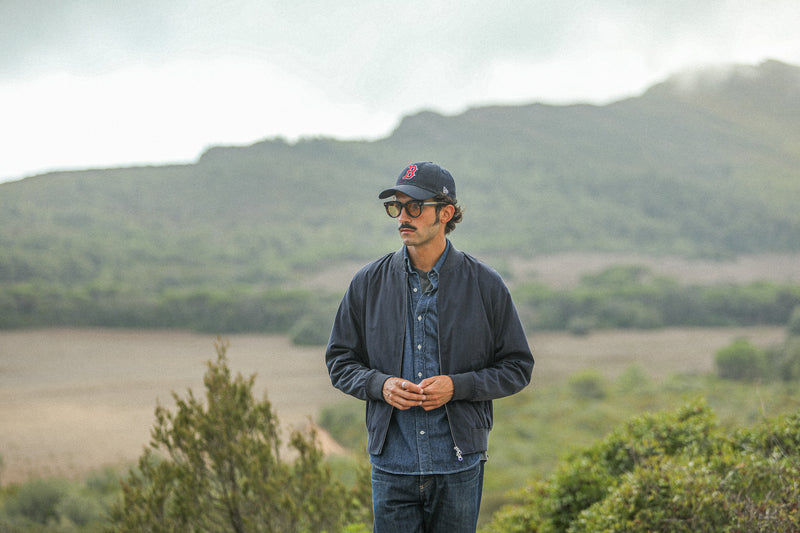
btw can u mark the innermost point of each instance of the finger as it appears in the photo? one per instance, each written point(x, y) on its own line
point(426, 382)
point(434, 403)
point(406, 389)
point(436, 385)
point(412, 387)
point(409, 399)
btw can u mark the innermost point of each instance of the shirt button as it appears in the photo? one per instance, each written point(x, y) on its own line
point(422, 432)
point(419, 347)
point(419, 317)
point(415, 289)
point(419, 374)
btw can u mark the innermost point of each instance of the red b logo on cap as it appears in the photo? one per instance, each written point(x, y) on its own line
point(411, 172)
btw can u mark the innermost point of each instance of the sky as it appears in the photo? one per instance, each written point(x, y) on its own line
point(94, 84)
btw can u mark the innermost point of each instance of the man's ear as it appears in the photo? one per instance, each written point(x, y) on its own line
point(446, 213)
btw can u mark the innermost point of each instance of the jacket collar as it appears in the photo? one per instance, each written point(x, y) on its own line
point(454, 259)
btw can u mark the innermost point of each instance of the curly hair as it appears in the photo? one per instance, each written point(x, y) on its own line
point(457, 215)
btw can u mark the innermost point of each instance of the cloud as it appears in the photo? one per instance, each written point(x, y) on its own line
point(87, 83)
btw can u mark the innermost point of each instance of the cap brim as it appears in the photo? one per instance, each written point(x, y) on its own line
point(416, 193)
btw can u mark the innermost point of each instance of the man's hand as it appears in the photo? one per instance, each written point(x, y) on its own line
point(402, 394)
point(437, 391)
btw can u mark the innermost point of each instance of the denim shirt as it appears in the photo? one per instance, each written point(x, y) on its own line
point(420, 442)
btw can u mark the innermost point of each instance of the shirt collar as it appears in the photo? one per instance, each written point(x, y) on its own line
point(436, 268)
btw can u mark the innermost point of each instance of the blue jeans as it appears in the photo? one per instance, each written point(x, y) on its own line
point(447, 503)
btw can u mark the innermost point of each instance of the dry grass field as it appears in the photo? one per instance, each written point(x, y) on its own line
point(74, 400)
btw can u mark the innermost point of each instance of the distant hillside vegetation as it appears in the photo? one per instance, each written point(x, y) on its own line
point(701, 165)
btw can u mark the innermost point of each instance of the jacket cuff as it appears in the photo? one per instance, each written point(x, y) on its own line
point(463, 386)
point(375, 385)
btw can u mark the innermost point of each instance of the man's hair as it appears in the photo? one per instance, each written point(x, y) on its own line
point(457, 215)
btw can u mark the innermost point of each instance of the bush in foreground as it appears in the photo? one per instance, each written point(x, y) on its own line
point(670, 472)
point(215, 466)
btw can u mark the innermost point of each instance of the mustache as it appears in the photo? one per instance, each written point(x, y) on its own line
point(406, 226)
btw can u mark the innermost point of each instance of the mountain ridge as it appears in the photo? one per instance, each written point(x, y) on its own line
point(707, 169)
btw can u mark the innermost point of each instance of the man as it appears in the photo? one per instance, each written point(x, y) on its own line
point(428, 336)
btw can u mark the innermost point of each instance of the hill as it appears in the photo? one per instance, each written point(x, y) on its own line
point(701, 165)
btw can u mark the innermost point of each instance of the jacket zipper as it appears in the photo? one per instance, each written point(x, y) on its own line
point(459, 455)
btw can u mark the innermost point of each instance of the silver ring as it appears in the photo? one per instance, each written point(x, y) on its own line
point(403, 385)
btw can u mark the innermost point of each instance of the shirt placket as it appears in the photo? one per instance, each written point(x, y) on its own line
point(420, 304)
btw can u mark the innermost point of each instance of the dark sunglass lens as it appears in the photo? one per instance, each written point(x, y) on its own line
point(414, 209)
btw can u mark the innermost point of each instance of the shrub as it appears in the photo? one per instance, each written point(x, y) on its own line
point(588, 385)
point(741, 361)
point(591, 475)
point(660, 495)
point(37, 501)
point(214, 465)
point(80, 509)
point(672, 472)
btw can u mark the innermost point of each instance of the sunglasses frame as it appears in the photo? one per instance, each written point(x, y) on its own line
point(400, 206)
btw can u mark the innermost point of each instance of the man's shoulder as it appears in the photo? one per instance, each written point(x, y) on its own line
point(383, 263)
point(469, 262)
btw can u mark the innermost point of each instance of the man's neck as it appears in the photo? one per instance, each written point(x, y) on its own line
point(425, 257)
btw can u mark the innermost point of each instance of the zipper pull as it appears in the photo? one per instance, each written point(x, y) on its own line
point(458, 453)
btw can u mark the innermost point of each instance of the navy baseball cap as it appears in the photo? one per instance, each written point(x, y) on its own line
point(422, 181)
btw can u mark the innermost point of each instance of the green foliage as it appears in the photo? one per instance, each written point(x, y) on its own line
point(215, 465)
point(37, 501)
point(741, 360)
point(58, 505)
point(671, 471)
point(590, 475)
point(345, 423)
point(231, 310)
point(631, 297)
point(588, 385)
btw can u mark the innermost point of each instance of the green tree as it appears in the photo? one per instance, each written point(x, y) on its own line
point(216, 466)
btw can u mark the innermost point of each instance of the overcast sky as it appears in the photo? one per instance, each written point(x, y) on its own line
point(87, 84)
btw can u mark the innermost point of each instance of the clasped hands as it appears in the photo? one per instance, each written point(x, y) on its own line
point(429, 393)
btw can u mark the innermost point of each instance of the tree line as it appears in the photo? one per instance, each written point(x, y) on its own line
point(618, 297)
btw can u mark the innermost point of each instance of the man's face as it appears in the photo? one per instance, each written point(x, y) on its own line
point(420, 230)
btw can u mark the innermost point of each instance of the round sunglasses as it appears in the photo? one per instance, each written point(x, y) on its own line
point(412, 207)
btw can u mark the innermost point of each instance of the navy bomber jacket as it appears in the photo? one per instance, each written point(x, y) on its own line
point(482, 345)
